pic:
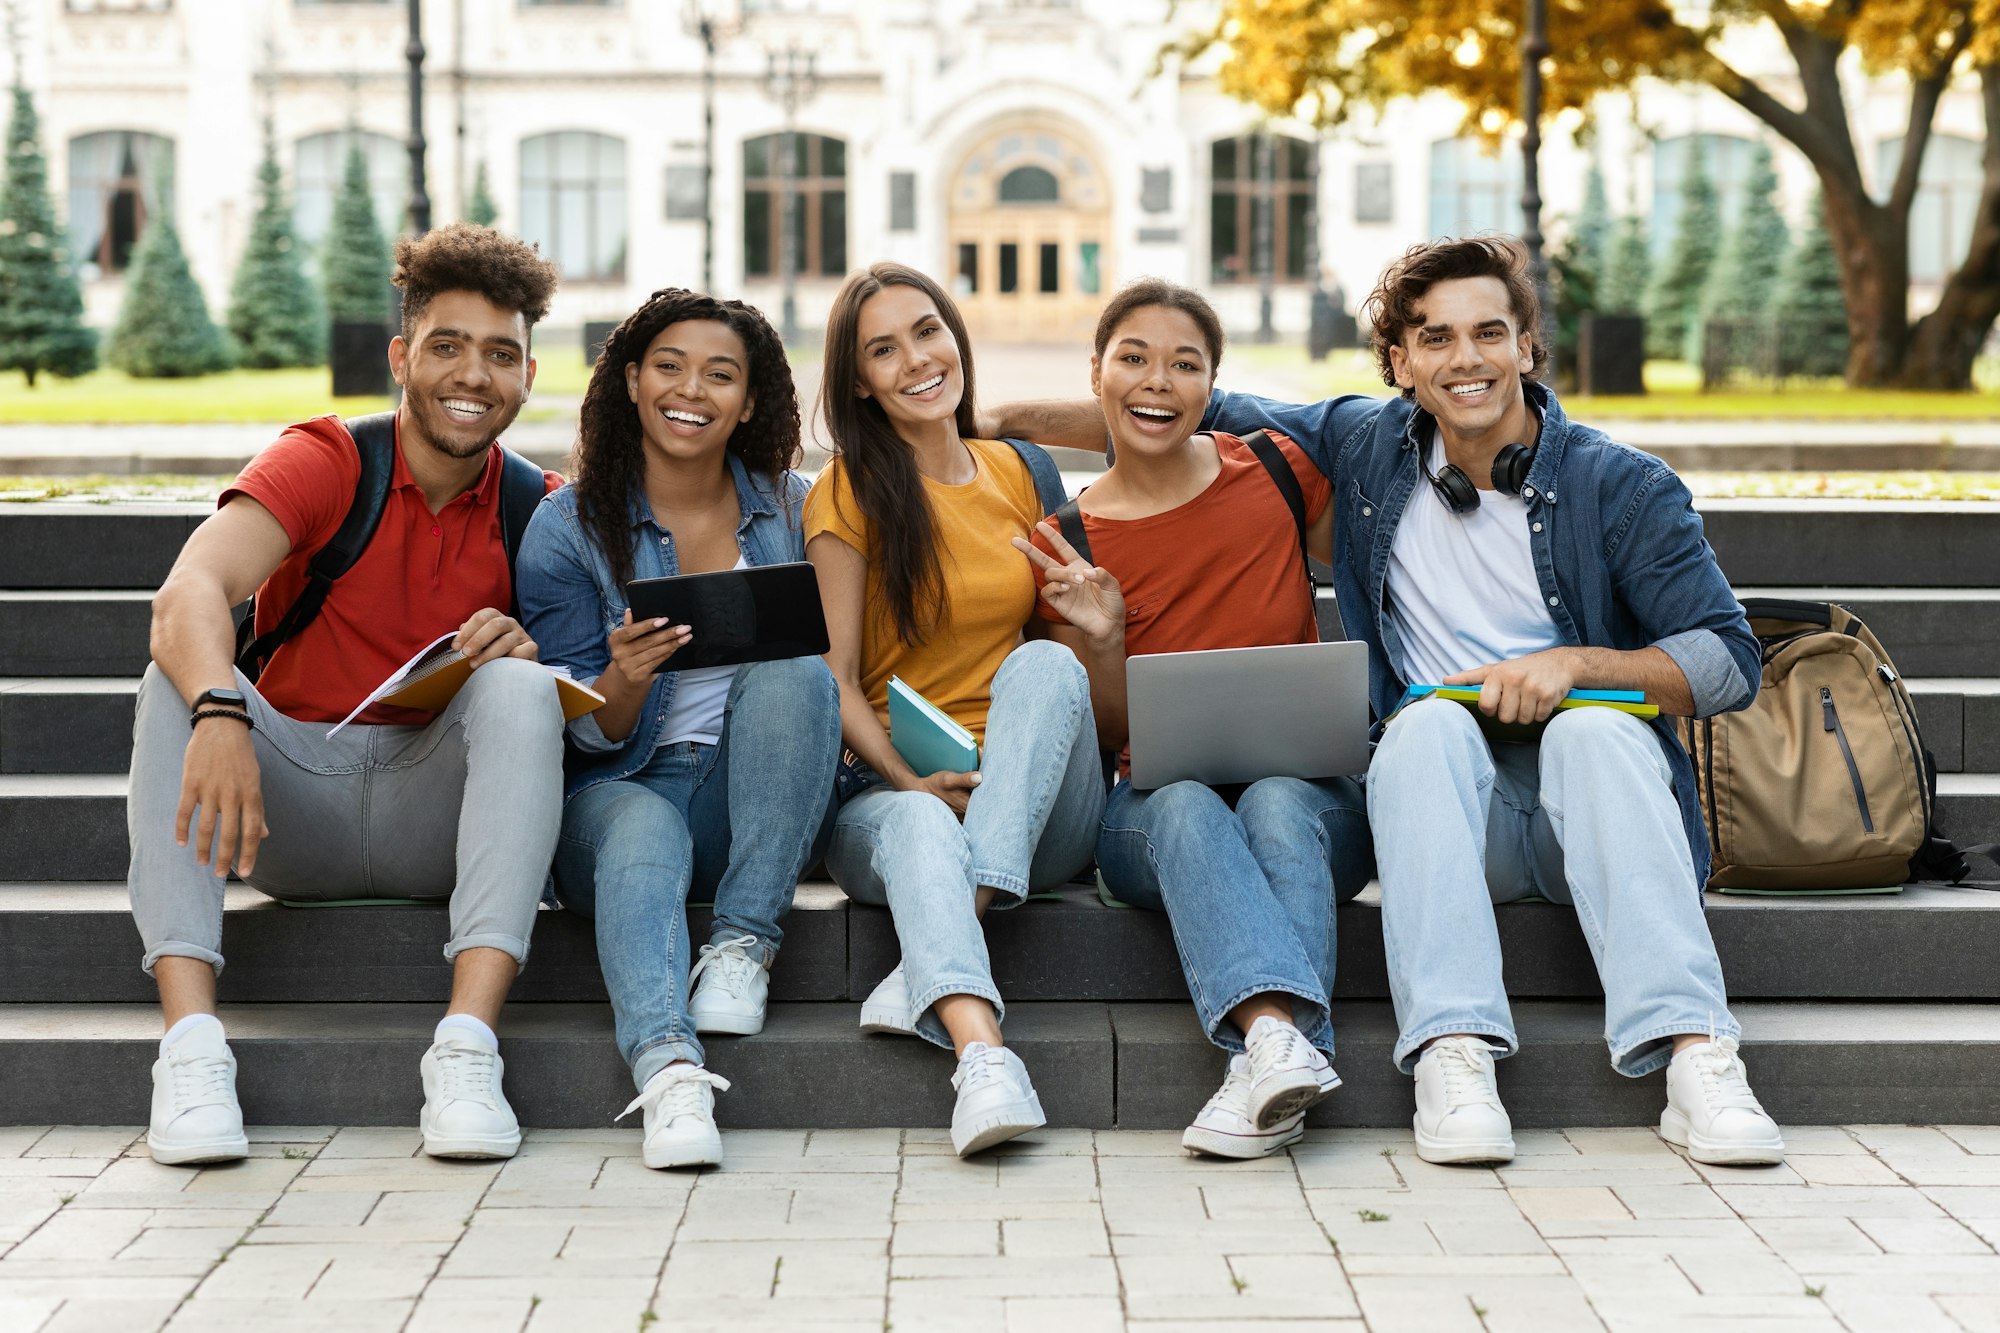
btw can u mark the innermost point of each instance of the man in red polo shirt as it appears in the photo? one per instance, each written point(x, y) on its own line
point(462, 804)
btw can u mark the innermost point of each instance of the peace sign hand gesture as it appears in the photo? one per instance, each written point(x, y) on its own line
point(1086, 595)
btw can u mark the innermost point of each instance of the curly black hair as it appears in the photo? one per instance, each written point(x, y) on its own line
point(609, 461)
point(465, 257)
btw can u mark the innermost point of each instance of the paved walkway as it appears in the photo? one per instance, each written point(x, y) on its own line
point(1868, 1227)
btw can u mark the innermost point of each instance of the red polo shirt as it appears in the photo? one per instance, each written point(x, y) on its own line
point(421, 575)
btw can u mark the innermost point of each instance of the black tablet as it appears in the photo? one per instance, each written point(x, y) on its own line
point(738, 615)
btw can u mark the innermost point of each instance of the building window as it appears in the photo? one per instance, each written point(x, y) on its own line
point(902, 201)
point(1250, 190)
point(1030, 185)
point(1474, 190)
point(1727, 159)
point(322, 162)
point(1374, 192)
point(117, 179)
point(119, 6)
point(573, 202)
point(1947, 203)
point(818, 222)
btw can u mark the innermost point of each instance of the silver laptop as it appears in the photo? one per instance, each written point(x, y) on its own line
point(1229, 715)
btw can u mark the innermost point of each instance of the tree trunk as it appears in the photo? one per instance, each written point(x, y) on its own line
point(1873, 246)
point(1944, 343)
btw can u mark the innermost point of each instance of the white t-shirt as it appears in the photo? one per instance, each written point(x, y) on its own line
point(1462, 587)
point(700, 695)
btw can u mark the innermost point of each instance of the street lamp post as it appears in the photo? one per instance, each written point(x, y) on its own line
point(701, 20)
point(791, 79)
point(420, 199)
point(1263, 242)
point(1534, 48)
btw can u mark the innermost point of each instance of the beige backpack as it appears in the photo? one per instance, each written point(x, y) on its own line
point(1823, 782)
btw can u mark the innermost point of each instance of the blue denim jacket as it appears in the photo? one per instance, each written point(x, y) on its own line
point(1618, 550)
point(569, 604)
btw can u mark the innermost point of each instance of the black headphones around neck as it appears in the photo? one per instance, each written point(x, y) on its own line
point(1510, 473)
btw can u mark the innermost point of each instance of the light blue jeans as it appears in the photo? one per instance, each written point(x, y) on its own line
point(1586, 817)
point(1248, 877)
point(737, 821)
point(1030, 823)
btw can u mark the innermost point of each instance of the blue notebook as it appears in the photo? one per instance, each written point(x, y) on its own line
point(929, 741)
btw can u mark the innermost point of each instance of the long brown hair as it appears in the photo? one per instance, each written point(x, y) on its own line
point(881, 467)
point(610, 457)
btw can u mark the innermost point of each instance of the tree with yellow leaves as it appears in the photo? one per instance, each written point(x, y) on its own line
point(1323, 59)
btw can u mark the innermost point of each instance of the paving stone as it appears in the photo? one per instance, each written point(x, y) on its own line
point(1005, 1275)
point(239, 1315)
point(1841, 1170)
point(89, 1316)
point(434, 1314)
point(1752, 1201)
point(1922, 1235)
point(1064, 1314)
point(1576, 1204)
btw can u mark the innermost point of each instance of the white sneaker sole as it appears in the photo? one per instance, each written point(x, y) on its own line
point(476, 1146)
point(1243, 1147)
point(1277, 1100)
point(727, 1024)
point(194, 1154)
point(887, 1018)
point(696, 1152)
point(1462, 1152)
point(1674, 1128)
point(997, 1126)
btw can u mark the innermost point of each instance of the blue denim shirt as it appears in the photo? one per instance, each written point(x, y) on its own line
point(569, 604)
point(1618, 550)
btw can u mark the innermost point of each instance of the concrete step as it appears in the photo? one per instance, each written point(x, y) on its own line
point(1910, 543)
point(1127, 1066)
point(84, 724)
point(76, 942)
point(1928, 631)
point(63, 632)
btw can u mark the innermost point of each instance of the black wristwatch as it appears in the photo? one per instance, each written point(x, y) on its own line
point(218, 699)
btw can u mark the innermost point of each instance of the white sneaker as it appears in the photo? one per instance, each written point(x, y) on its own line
point(996, 1101)
point(1459, 1116)
point(887, 1008)
point(1712, 1112)
point(1224, 1127)
point(465, 1113)
point(731, 985)
point(1284, 1072)
point(195, 1114)
point(680, 1117)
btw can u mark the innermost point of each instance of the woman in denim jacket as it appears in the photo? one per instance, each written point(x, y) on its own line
point(715, 778)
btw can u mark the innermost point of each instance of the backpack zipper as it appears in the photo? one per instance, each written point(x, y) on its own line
point(1832, 720)
point(1906, 714)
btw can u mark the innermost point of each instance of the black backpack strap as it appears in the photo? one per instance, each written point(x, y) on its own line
point(375, 440)
point(1049, 491)
point(1287, 481)
point(1069, 519)
point(522, 487)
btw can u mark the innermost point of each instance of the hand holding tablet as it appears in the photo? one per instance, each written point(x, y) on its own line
point(738, 615)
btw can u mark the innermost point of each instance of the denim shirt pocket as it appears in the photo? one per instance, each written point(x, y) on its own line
point(1358, 518)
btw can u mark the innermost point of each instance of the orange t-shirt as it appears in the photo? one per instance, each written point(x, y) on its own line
point(1221, 571)
point(421, 574)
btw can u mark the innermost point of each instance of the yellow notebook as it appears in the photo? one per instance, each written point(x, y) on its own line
point(434, 675)
point(1625, 701)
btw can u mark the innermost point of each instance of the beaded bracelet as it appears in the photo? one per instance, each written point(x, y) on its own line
point(202, 714)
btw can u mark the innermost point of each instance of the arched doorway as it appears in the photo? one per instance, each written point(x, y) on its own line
point(1030, 218)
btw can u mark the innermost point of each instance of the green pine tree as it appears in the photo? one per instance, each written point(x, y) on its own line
point(1590, 236)
point(164, 330)
point(1811, 312)
point(357, 261)
point(1745, 277)
point(41, 308)
point(275, 313)
point(481, 208)
point(1673, 303)
point(1629, 270)
point(1576, 268)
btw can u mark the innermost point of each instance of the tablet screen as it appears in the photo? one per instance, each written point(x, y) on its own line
point(738, 615)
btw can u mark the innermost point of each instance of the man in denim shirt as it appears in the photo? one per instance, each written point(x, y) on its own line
point(1572, 562)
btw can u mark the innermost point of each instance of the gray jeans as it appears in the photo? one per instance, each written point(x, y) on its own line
point(466, 808)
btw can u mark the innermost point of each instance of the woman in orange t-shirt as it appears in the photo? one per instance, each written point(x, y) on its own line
point(1195, 548)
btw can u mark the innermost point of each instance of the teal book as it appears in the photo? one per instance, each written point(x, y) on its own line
point(929, 741)
point(1625, 701)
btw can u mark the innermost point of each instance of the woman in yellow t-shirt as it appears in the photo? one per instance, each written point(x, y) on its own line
point(910, 528)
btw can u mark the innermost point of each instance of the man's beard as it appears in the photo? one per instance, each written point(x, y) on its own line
point(430, 416)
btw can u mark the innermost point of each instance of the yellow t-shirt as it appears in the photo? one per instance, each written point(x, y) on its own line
point(989, 587)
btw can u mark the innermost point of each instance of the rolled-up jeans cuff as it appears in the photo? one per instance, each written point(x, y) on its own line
point(1009, 890)
point(652, 1059)
point(931, 1028)
point(1410, 1047)
point(511, 944)
point(1652, 1050)
point(178, 949)
point(765, 953)
point(1319, 1031)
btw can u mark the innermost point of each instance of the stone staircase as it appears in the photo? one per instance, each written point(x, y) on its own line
point(1856, 1009)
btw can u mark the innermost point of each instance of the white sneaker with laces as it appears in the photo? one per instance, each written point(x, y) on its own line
point(195, 1114)
point(887, 1008)
point(731, 985)
point(1284, 1072)
point(465, 1112)
point(680, 1117)
point(1712, 1112)
point(996, 1102)
point(1459, 1116)
point(1224, 1127)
